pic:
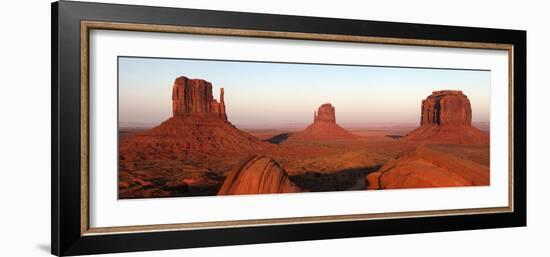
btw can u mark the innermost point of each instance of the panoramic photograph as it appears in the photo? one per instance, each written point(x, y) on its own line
point(190, 127)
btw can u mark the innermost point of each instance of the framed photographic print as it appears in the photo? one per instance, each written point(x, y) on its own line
point(177, 128)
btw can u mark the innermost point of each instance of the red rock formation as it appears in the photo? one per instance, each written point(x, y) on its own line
point(193, 97)
point(199, 126)
point(188, 153)
point(447, 107)
point(325, 113)
point(324, 127)
point(258, 175)
point(446, 116)
point(427, 167)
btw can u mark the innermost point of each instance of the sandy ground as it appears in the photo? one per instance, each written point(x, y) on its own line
point(313, 166)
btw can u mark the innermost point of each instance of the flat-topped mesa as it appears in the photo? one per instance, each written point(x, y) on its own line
point(446, 107)
point(447, 92)
point(193, 97)
point(325, 113)
point(447, 117)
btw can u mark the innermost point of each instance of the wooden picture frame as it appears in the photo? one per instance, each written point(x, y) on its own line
point(71, 25)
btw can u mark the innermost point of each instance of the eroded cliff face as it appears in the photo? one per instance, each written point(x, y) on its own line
point(324, 127)
point(325, 113)
point(199, 124)
point(193, 97)
point(446, 116)
point(446, 108)
point(258, 175)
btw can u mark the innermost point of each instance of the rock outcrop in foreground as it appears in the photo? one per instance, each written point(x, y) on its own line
point(258, 175)
point(429, 167)
point(446, 116)
point(324, 127)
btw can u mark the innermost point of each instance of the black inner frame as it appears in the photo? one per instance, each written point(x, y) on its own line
point(65, 166)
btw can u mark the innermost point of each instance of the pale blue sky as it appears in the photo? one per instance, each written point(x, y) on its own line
point(276, 94)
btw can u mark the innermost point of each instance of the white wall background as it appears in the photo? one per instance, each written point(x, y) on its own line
point(25, 127)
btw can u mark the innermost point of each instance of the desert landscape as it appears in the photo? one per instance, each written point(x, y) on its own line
point(199, 152)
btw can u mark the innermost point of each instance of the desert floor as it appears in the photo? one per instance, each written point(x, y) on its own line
point(312, 166)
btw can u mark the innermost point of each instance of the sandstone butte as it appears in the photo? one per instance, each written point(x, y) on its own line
point(324, 127)
point(193, 97)
point(258, 175)
point(199, 125)
point(446, 116)
point(445, 119)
